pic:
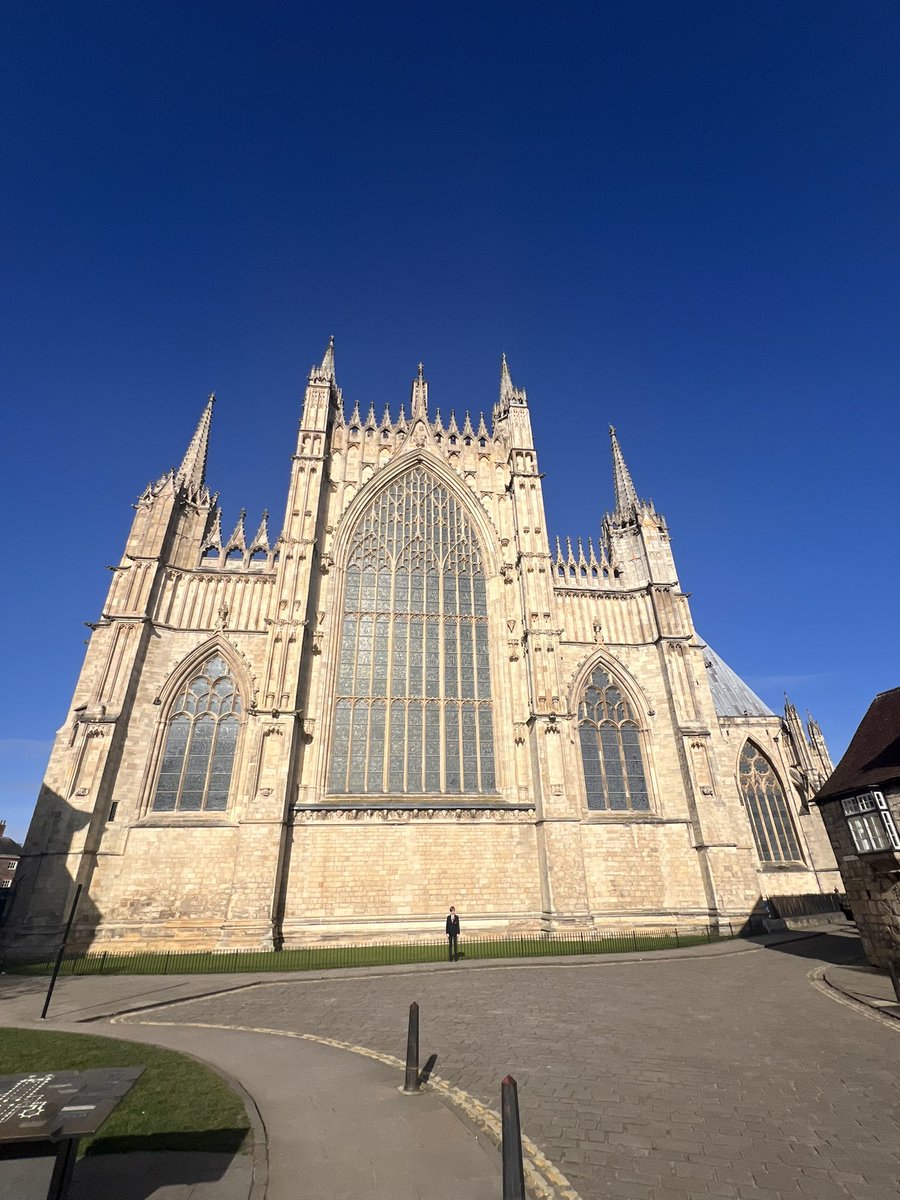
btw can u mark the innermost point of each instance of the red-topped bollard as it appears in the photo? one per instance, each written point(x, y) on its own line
point(513, 1167)
point(411, 1082)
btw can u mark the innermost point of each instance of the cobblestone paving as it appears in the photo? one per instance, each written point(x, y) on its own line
point(656, 1080)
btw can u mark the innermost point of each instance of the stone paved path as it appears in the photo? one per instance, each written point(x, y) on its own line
point(655, 1080)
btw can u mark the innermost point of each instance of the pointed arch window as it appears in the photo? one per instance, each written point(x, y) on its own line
point(611, 757)
point(767, 807)
point(413, 709)
point(201, 739)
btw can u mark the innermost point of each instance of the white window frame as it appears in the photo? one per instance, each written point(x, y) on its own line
point(871, 823)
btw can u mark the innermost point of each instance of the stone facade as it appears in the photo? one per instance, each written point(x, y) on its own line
point(871, 881)
point(287, 859)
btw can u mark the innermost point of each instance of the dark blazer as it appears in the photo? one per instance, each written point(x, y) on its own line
point(452, 925)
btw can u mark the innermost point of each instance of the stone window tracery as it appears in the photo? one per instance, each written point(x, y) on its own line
point(413, 711)
point(201, 739)
point(611, 757)
point(767, 807)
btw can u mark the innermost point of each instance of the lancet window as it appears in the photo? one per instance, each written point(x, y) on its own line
point(201, 738)
point(614, 775)
point(767, 807)
point(413, 708)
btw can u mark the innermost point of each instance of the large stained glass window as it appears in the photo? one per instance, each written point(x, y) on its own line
point(413, 708)
point(201, 738)
point(611, 756)
point(767, 807)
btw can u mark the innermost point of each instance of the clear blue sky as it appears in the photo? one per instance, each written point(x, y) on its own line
point(677, 217)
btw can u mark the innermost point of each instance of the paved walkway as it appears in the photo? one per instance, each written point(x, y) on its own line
point(728, 1073)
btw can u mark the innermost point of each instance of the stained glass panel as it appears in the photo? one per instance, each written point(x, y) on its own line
point(201, 738)
point(767, 808)
point(611, 756)
point(413, 558)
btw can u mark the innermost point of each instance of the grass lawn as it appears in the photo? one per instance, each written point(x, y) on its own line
point(177, 1104)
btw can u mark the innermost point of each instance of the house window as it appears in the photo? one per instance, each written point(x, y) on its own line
point(413, 708)
point(5, 883)
point(614, 776)
point(12, 864)
point(770, 818)
point(201, 738)
point(871, 824)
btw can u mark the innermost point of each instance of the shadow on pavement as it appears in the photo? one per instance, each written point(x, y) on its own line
point(142, 1174)
point(839, 949)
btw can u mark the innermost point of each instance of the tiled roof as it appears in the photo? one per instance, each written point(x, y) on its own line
point(731, 696)
point(873, 756)
point(9, 848)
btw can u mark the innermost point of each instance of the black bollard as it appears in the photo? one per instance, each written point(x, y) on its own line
point(411, 1083)
point(513, 1168)
point(895, 977)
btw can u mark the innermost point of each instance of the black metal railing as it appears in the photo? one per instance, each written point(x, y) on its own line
point(330, 956)
point(806, 904)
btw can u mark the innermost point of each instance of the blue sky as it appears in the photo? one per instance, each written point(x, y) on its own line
point(678, 218)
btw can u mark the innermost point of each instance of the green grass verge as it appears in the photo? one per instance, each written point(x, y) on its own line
point(319, 958)
point(177, 1104)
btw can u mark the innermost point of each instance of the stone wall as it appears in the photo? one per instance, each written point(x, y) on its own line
point(369, 875)
point(871, 881)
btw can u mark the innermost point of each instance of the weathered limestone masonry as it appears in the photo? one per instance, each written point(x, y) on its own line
point(408, 700)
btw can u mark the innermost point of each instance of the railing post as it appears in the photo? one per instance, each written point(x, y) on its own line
point(513, 1168)
point(411, 1082)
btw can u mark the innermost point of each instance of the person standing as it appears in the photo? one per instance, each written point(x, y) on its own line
point(452, 934)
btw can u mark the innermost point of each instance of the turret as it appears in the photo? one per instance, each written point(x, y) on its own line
point(322, 398)
point(172, 514)
point(636, 535)
point(511, 413)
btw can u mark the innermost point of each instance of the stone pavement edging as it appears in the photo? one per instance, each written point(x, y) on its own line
point(876, 998)
point(543, 1179)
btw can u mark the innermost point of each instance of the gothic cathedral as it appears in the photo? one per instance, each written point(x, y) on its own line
point(407, 699)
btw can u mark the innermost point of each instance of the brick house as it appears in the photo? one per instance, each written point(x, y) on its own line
point(860, 805)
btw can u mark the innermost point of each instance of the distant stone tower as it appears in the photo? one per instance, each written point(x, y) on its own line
point(408, 696)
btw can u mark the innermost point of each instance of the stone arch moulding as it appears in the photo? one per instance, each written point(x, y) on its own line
point(180, 670)
point(488, 538)
point(600, 657)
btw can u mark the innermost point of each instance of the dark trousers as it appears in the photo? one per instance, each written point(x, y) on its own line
point(452, 939)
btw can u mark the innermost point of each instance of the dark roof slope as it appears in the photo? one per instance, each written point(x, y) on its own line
point(873, 756)
point(9, 848)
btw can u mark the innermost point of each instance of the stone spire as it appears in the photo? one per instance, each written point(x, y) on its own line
point(325, 372)
point(191, 475)
point(418, 401)
point(817, 740)
point(626, 496)
point(508, 393)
